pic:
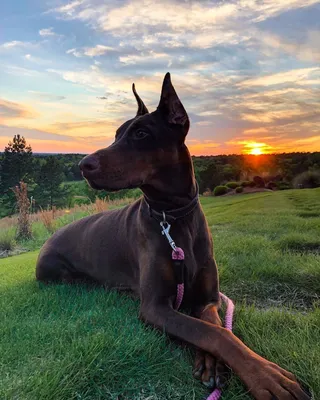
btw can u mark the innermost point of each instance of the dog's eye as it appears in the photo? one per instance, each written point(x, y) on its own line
point(140, 135)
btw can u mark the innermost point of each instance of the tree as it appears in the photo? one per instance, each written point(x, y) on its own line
point(16, 163)
point(49, 190)
point(16, 166)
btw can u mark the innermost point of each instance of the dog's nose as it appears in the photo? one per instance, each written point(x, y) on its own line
point(89, 164)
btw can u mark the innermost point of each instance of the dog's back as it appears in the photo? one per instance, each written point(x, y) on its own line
point(95, 247)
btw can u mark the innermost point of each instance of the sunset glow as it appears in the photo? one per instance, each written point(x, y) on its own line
point(247, 77)
point(257, 151)
point(256, 148)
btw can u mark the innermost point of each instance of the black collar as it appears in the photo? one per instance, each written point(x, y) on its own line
point(176, 213)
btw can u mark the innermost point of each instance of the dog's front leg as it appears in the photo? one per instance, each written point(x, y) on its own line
point(211, 371)
point(205, 306)
point(265, 380)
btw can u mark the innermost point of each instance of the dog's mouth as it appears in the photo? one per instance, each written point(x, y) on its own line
point(91, 182)
point(94, 185)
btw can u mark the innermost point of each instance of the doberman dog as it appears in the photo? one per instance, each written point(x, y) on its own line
point(124, 248)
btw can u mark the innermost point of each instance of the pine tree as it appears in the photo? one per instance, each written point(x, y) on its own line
point(50, 191)
point(16, 166)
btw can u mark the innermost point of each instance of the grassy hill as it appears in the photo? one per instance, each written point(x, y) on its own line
point(71, 342)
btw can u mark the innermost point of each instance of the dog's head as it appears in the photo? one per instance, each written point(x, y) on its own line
point(143, 145)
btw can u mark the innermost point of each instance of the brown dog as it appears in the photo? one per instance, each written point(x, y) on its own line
point(124, 249)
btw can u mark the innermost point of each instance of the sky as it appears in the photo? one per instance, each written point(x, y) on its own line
point(247, 71)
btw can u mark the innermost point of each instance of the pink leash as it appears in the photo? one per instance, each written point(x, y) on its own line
point(178, 254)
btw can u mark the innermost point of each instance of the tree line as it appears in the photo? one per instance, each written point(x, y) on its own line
point(47, 176)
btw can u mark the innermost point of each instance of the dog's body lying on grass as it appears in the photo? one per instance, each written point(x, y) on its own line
point(124, 249)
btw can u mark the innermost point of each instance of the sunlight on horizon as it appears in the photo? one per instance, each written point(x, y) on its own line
point(257, 149)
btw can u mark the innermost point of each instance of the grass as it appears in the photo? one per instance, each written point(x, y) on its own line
point(7, 240)
point(71, 342)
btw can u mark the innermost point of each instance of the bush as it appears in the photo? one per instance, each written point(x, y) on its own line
point(283, 185)
point(252, 184)
point(239, 189)
point(47, 218)
point(7, 240)
point(220, 190)
point(232, 185)
point(271, 185)
point(24, 224)
point(101, 205)
point(259, 182)
point(80, 201)
point(245, 183)
point(308, 179)
point(207, 193)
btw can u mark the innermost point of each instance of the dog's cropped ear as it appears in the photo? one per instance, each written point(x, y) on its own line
point(171, 107)
point(142, 109)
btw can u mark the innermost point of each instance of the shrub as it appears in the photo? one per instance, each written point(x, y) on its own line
point(47, 218)
point(80, 201)
point(307, 179)
point(283, 185)
point(259, 182)
point(101, 205)
point(252, 184)
point(239, 189)
point(207, 193)
point(220, 190)
point(7, 241)
point(232, 185)
point(245, 183)
point(24, 226)
point(271, 185)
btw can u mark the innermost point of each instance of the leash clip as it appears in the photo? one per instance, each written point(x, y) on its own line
point(165, 231)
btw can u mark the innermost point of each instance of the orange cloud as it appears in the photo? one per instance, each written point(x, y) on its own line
point(10, 110)
point(202, 148)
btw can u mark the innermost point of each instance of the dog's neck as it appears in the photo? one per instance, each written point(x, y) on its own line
point(174, 186)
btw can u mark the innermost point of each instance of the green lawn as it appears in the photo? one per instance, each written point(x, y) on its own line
point(64, 342)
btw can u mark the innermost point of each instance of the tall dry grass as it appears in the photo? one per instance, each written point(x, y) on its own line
point(49, 217)
point(24, 225)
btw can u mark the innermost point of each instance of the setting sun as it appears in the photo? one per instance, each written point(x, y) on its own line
point(256, 151)
point(255, 148)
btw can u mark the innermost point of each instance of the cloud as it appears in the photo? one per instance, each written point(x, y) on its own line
point(199, 147)
point(36, 60)
point(145, 58)
point(46, 96)
point(20, 71)
point(94, 77)
point(192, 23)
point(80, 130)
point(272, 8)
point(174, 14)
point(95, 51)
point(47, 32)
point(304, 48)
point(68, 9)
point(9, 131)
point(14, 44)
point(309, 140)
point(11, 110)
point(291, 76)
point(209, 113)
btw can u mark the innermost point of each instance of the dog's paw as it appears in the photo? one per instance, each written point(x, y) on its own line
point(266, 380)
point(212, 373)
